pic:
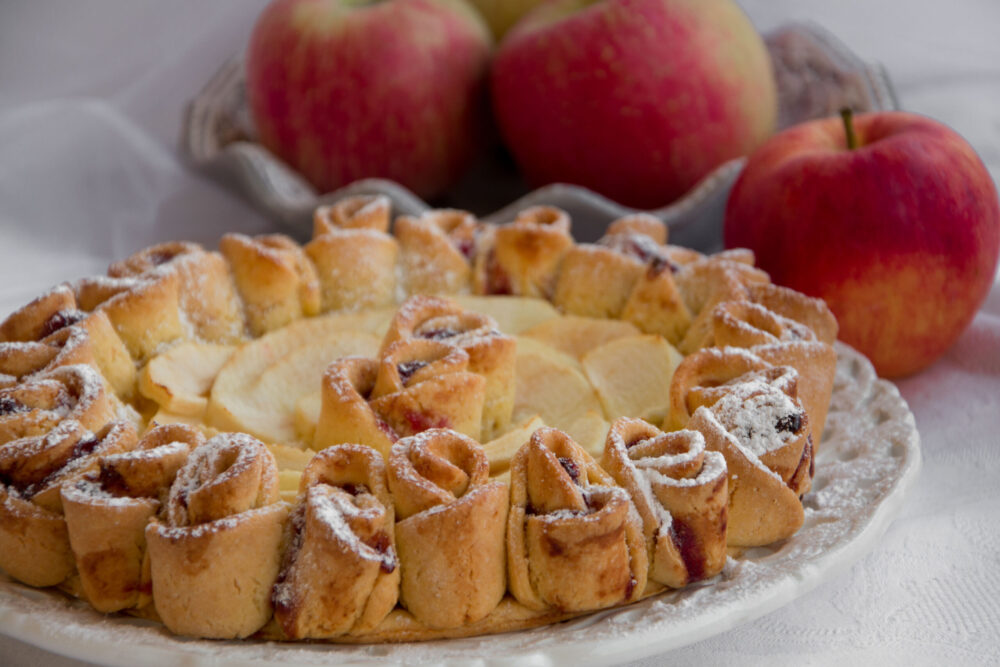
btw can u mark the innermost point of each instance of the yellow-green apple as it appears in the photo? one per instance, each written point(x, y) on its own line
point(501, 15)
point(635, 99)
point(891, 218)
point(349, 89)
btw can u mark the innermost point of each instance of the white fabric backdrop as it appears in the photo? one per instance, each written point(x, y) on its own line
point(91, 96)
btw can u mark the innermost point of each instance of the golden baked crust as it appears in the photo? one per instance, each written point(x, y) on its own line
point(408, 483)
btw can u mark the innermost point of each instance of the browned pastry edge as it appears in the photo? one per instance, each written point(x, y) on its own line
point(400, 625)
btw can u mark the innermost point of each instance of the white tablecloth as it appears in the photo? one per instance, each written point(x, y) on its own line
point(91, 96)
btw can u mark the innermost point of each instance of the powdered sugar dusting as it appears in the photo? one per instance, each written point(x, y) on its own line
point(864, 470)
point(754, 412)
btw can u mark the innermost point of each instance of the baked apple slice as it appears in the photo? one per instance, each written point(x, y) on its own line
point(180, 379)
point(513, 314)
point(632, 376)
point(551, 385)
point(258, 389)
point(577, 335)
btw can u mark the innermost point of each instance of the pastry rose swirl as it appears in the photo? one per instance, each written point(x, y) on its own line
point(491, 353)
point(274, 278)
point(450, 521)
point(755, 420)
point(418, 384)
point(206, 294)
point(697, 379)
point(628, 274)
point(51, 331)
point(340, 572)
point(785, 328)
point(354, 255)
point(681, 493)
point(523, 257)
point(574, 540)
point(52, 427)
point(439, 250)
point(345, 414)
point(424, 384)
point(108, 509)
point(709, 281)
point(215, 556)
point(163, 293)
point(144, 310)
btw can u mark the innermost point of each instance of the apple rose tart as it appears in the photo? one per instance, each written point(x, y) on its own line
point(354, 255)
point(215, 556)
point(681, 493)
point(52, 427)
point(574, 539)
point(107, 512)
point(757, 423)
point(389, 433)
point(450, 521)
point(340, 572)
point(492, 354)
point(523, 257)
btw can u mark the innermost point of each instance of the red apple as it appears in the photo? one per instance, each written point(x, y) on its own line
point(900, 234)
point(343, 90)
point(635, 99)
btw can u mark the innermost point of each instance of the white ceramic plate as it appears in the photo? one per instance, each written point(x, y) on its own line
point(867, 462)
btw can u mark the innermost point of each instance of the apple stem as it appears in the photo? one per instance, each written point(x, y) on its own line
point(848, 116)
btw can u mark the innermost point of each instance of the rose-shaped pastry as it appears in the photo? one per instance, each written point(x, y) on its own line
point(107, 512)
point(655, 304)
point(709, 281)
point(145, 310)
point(438, 250)
point(275, 279)
point(708, 375)
point(640, 223)
point(450, 521)
point(697, 377)
point(65, 403)
point(574, 540)
point(360, 212)
point(781, 341)
point(522, 258)
point(762, 430)
point(354, 256)
point(46, 333)
point(423, 384)
point(215, 557)
point(595, 280)
point(626, 275)
point(491, 353)
point(681, 493)
point(345, 415)
point(814, 313)
point(42, 316)
point(34, 543)
point(206, 294)
point(21, 360)
point(51, 430)
point(340, 572)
